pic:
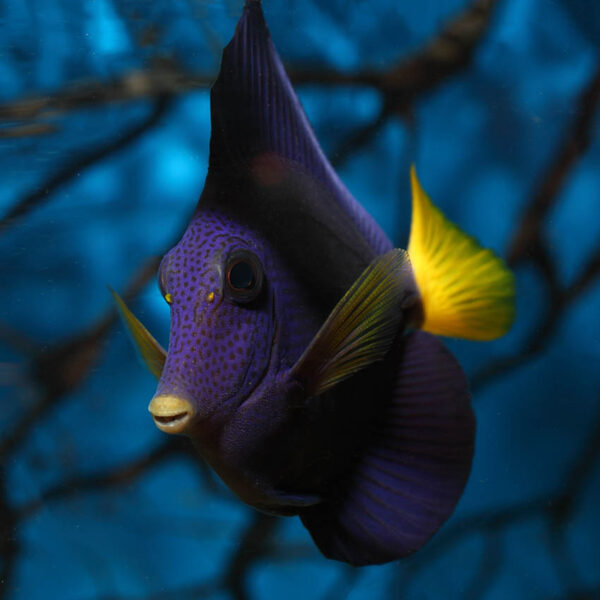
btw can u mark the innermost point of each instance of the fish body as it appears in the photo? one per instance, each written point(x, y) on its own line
point(301, 359)
point(254, 423)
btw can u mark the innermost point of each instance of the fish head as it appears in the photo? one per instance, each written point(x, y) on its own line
point(222, 323)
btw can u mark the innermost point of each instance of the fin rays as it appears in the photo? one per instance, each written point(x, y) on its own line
point(466, 290)
point(150, 351)
point(410, 476)
point(361, 327)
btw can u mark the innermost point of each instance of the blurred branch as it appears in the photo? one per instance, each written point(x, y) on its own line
point(441, 58)
point(121, 475)
point(444, 56)
point(27, 130)
point(574, 145)
point(9, 545)
point(490, 564)
point(17, 340)
point(564, 565)
point(60, 369)
point(81, 162)
point(255, 542)
point(342, 587)
point(556, 509)
point(191, 592)
point(253, 545)
point(582, 593)
point(159, 81)
point(450, 52)
point(360, 138)
point(528, 243)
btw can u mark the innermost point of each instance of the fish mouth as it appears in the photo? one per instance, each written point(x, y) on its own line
point(171, 414)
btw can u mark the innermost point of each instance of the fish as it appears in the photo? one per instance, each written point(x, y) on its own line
point(304, 361)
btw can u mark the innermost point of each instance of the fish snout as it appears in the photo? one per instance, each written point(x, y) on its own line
point(171, 414)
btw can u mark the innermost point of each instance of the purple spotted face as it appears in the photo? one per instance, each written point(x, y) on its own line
point(221, 323)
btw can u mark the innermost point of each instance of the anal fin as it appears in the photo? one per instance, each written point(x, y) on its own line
point(413, 471)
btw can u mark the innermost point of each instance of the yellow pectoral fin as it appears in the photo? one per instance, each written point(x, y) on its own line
point(151, 352)
point(466, 290)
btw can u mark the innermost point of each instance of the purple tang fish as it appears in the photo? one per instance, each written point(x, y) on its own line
point(302, 359)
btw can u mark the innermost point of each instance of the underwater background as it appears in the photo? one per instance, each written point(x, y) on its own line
point(104, 130)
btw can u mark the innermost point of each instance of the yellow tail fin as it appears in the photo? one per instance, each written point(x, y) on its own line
point(466, 290)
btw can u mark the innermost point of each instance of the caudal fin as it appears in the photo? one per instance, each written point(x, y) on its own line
point(466, 290)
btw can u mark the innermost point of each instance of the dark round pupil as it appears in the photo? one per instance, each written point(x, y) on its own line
point(241, 276)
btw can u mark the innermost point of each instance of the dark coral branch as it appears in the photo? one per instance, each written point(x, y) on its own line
point(27, 130)
point(574, 145)
point(560, 552)
point(587, 277)
point(342, 587)
point(56, 371)
point(441, 58)
point(157, 81)
point(359, 139)
point(254, 544)
point(580, 593)
point(83, 161)
point(447, 54)
point(190, 592)
point(122, 475)
point(555, 508)
point(489, 566)
point(450, 52)
point(60, 369)
point(528, 243)
point(9, 544)
point(565, 500)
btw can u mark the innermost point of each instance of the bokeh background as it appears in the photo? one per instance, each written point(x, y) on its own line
point(104, 131)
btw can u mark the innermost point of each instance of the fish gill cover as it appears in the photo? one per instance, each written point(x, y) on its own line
point(498, 112)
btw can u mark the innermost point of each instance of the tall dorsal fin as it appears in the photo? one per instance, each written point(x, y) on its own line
point(259, 126)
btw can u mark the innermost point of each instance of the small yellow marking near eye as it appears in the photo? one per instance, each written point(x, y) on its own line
point(168, 298)
point(210, 297)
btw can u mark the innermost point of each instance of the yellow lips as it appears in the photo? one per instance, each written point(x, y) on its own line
point(171, 414)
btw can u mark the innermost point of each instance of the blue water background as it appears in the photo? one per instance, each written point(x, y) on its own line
point(483, 141)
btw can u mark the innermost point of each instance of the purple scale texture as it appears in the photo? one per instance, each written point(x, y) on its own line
point(216, 348)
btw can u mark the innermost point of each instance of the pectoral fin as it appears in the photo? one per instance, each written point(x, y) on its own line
point(150, 351)
point(361, 327)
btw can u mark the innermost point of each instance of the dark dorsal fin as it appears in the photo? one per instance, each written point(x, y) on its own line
point(258, 123)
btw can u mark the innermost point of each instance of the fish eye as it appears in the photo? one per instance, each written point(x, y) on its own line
point(243, 276)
